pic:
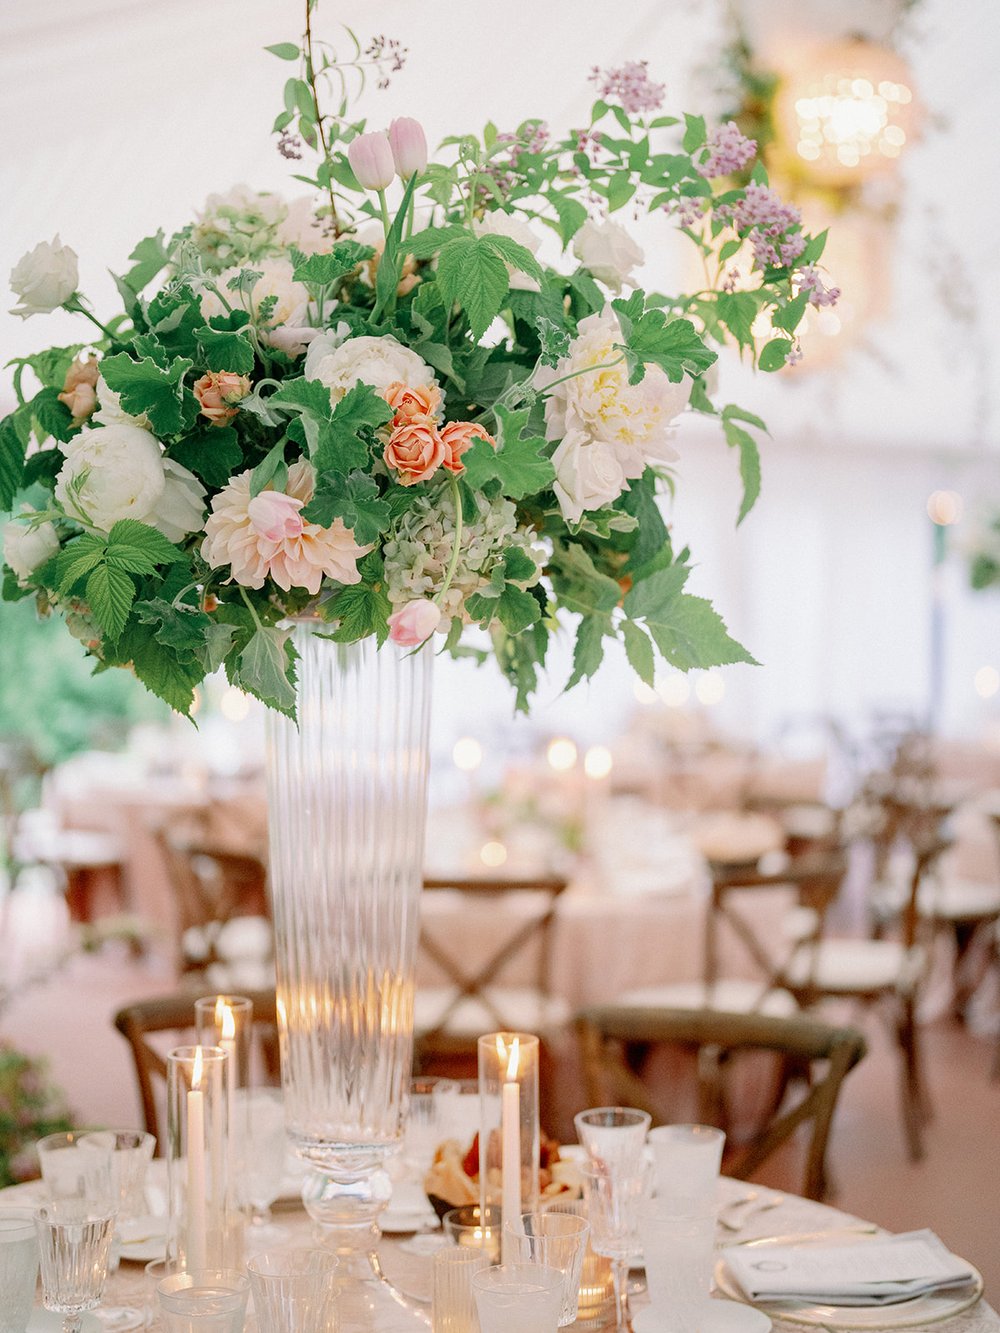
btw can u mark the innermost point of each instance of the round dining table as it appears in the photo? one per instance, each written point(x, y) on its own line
point(406, 1261)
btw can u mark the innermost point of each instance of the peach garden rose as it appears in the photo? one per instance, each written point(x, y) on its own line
point(415, 451)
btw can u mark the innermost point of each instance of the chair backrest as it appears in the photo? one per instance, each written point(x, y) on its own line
point(528, 933)
point(142, 1022)
point(212, 885)
point(814, 878)
point(616, 1041)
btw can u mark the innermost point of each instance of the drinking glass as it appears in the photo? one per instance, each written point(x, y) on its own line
point(679, 1253)
point(74, 1240)
point(687, 1159)
point(427, 1123)
point(267, 1146)
point(525, 1297)
point(613, 1196)
point(558, 1240)
point(156, 1270)
point(454, 1303)
point(77, 1165)
point(613, 1134)
point(131, 1151)
point(474, 1227)
point(294, 1289)
point(213, 1300)
point(18, 1269)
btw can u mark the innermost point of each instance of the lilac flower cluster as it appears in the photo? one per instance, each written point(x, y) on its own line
point(820, 294)
point(388, 56)
point(289, 145)
point(630, 85)
point(768, 223)
point(729, 151)
point(531, 138)
point(689, 210)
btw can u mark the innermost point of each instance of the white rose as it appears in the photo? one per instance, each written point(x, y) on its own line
point(44, 279)
point(375, 361)
point(181, 507)
point(588, 475)
point(636, 419)
point(111, 472)
point(609, 252)
point(25, 548)
point(499, 223)
point(288, 325)
point(111, 413)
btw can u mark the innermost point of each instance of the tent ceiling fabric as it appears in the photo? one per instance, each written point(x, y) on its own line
point(121, 116)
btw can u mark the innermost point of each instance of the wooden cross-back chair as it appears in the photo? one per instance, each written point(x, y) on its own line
point(480, 997)
point(616, 1043)
point(145, 1020)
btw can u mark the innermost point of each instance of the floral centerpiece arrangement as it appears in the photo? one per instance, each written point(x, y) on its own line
point(30, 1107)
point(385, 406)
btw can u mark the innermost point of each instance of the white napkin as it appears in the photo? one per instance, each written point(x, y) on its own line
point(877, 1272)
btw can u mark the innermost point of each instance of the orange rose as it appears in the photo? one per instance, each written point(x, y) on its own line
point(459, 436)
point(419, 403)
point(78, 392)
point(415, 451)
point(217, 392)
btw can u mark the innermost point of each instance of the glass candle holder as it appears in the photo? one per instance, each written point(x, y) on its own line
point(509, 1132)
point(210, 1301)
point(454, 1304)
point(475, 1228)
point(203, 1231)
point(526, 1297)
point(226, 1021)
point(294, 1290)
point(557, 1240)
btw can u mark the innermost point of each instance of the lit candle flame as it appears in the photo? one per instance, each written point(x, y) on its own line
point(197, 1069)
point(512, 1056)
point(226, 1020)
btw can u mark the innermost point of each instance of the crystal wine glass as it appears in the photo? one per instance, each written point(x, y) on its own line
point(131, 1151)
point(614, 1193)
point(74, 1241)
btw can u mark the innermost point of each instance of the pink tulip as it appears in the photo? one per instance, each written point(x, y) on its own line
point(370, 156)
point(409, 146)
point(414, 622)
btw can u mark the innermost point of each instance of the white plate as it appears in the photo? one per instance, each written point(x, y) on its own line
point(713, 1317)
point(150, 1239)
point(920, 1312)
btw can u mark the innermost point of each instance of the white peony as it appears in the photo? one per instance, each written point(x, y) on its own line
point(375, 361)
point(44, 279)
point(636, 419)
point(181, 508)
point(608, 252)
point(499, 223)
point(111, 472)
point(589, 474)
point(25, 548)
point(288, 325)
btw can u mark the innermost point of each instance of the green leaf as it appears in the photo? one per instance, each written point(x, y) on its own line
point(390, 265)
point(354, 499)
point(774, 354)
point(76, 559)
point(741, 439)
point(158, 667)
point(695, 133)
point(570, 212)
point(323, 270)
point(639, 651)
point(515, 609)
point(139, 548)
point(513, 253)
point(650, 538)
point(266, 671)
point(483, 284)
point(361, 609)
point(149, 389)
point(789, 316)
point(814, 249)
point(226, 351)
point(516, 463)
point(738, 310)
point(687, 630)
point(580, 584)
point(588, 650)
point(342, 445)
point(11, 463)
point(733, 412)
point(284, 50)
point(426, 244)
point(149, 257)
point(620, 190)
point(651, 337)
point(51, 417)
point(213, 454)
point(110, 593)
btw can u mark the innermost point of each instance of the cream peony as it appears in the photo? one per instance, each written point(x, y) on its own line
point(287, 327)
point(266, 537)
point(118, 471)
point(111, 472)
point(25, 548)
point(380, 362)
point(635, 419)
point(589, 474)
point(499, 223)
point(608, 252)
point(44, 279)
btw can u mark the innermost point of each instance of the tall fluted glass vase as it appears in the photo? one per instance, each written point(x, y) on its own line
point(347, 793)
